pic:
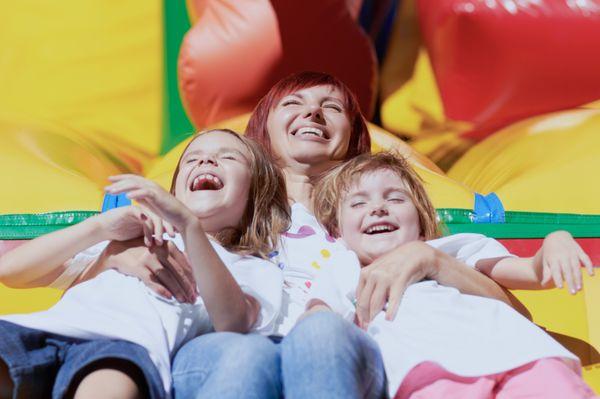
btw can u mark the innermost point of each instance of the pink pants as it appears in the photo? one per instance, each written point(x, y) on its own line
point(547, 378)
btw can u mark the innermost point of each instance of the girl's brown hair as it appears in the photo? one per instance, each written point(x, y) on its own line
point(332, 186)
point(267, 213)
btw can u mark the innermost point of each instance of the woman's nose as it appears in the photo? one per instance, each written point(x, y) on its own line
point(313, 113)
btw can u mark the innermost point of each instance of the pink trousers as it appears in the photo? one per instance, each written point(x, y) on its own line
point(546, 378)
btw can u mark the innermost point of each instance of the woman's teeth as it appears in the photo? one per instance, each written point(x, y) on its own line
point(311, 130)
point(207, 181)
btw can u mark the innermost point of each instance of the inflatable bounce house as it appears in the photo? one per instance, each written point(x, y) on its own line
point(495, 103)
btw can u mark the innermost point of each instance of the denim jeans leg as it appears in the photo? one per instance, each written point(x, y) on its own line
point(227, 365)
point(324, 356)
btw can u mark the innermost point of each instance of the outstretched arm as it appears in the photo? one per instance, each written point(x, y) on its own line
point(40, 261)
point(559, 260)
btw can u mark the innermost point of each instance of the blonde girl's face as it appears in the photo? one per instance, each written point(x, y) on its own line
point(310, 126)
point(377, 214)
point(214, 180)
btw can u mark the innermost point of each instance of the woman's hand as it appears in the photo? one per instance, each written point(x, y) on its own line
point(561, 259)
point(164, 269)
point(386, 279)
point(153, 197)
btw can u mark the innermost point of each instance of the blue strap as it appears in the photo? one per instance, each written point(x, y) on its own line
point(114, 201)
point(488, 209)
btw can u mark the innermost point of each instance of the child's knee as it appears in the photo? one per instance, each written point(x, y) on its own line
point(107, 383)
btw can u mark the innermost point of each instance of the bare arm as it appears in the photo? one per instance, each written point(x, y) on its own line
point(559, 259)
point(39, 262)
point(230, 309)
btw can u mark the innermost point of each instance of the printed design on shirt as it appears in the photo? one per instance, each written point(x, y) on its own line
point(303, 232)
point(273, 255)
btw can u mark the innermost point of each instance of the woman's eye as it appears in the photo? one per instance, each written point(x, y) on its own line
point(191, 160)
point(334, 107)
point(228, 156)
point(290, 102)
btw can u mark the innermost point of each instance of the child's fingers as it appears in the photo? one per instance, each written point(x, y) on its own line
point(182, 269)
point(158, 230)
point(394, 299)
point(169, 228)
point(587, 262)
point(159, 289)
point(378, 300)
point(147, 229)
point(576, 269)
point(124, 185)
point(363, 303)
point(568, 275)
point(556, 273)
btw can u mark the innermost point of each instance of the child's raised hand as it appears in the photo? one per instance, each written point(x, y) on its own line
point(153, 197)
point(121, 224)
point(561, 259)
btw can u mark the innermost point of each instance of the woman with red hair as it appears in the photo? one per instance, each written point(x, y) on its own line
point(309, 122)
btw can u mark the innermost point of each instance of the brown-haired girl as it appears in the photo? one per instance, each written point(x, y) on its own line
point(111, 334)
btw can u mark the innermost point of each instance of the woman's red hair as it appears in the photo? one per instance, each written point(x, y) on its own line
point(360, 141)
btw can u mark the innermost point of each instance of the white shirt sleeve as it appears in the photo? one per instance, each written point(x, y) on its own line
point(336, 284)
point(77, 264)
point(264, 281)
point(470, 248)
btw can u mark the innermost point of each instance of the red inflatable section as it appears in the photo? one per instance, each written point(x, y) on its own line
point(499, 61)
point(528, 247)
point(237, 49)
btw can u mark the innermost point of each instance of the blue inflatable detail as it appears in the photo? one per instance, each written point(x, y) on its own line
point(488, 209)
point(114, 201)
point(377, 19)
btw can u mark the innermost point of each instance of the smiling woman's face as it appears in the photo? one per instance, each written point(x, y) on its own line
point(310, 126)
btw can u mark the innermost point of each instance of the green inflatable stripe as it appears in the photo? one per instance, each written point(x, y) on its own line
point(26, 226)
point(176, 126)
point(518, 224)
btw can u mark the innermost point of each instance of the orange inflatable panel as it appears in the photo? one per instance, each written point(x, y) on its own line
point(499, 61)
point(237, 49)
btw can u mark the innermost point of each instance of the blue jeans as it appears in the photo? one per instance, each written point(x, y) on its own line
point(323, 357)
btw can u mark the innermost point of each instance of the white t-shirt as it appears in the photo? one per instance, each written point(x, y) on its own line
point(465, 334)
point(304, 250)
point(115, 306)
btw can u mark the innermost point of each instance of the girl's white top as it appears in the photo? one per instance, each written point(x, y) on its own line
point(465, 334)
point(115, 306)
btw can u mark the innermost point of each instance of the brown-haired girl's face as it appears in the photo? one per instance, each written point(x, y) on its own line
point(310, 126)
point(214, 179)
point(377, 214)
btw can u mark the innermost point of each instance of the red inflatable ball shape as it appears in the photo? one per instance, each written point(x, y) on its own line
point(237, 49)
point(499, 61)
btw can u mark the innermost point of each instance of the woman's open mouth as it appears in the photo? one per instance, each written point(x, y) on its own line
point(311, 131)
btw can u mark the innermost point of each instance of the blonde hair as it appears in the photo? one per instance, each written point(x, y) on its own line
point(331, 187)
point(267, 213)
